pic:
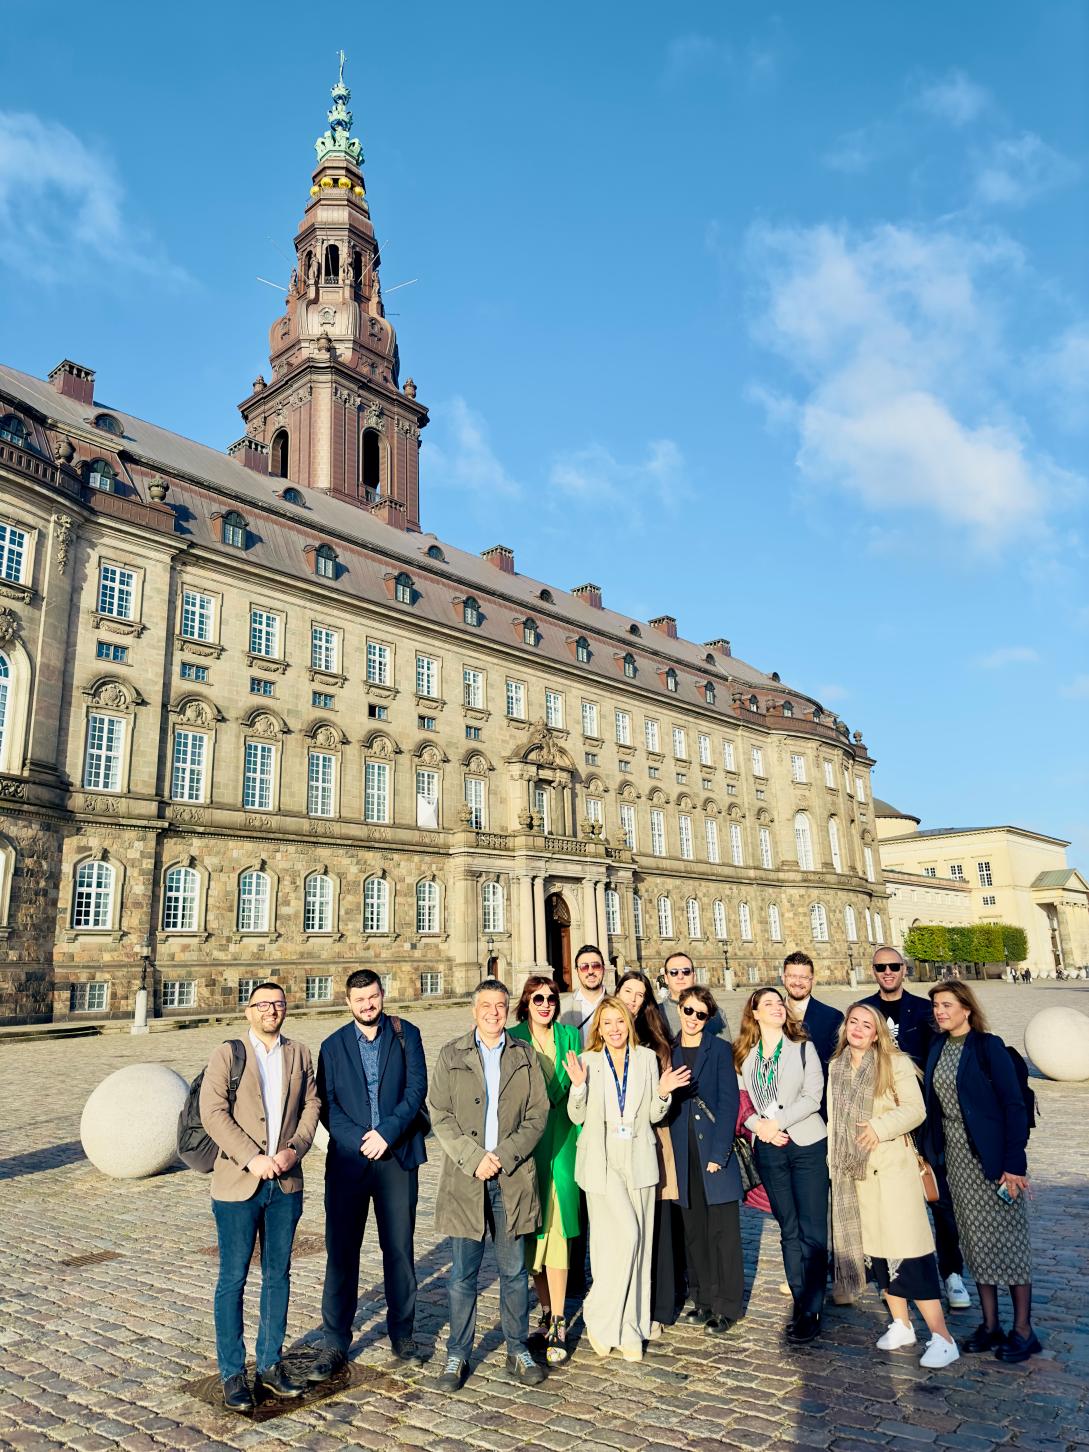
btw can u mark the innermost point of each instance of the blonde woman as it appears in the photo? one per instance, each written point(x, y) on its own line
point(879, 1218)
point(617, 1096)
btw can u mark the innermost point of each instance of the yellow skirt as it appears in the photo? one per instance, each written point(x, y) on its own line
point(549, 1248)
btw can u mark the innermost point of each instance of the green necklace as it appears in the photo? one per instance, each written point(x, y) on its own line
point(765, 1068)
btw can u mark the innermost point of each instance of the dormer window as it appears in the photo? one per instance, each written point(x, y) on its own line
point(629, 666)
point(293, 496)
point(818, 714)
point(582, 650)
point(325, 562)
point(402, 589)
point(434, 553)
point(634, 630)
point(108, 424)
point(13, 430)
point(671, 680)
point(530, 633)
point(234, 530)
point(709, 693)
point(754, 704)
point(546, 596)
point(788, 709)
point(101, 475)
point(470, 611)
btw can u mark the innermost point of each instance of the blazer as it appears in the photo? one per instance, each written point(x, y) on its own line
point(642, 1109)
point(716, 1026)
point(822, 1023)
point(916, 1030)
point(714, 1082)
point(241, 1134)
point(801, 1088)
point(573, 1015)
point(346, 1105)
point(990, 1101)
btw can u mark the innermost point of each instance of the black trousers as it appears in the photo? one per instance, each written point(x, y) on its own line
point(796, 1179)
point(712, 1242)
point(946, 1235)
point(667, 1268)
point(349, 1194)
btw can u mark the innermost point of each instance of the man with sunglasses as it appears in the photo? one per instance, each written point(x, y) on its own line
point(262, 1132)
point(578, 1008)
point(680, 973)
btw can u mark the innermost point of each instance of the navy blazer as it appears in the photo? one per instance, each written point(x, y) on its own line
point(714, 1080)
point(917, 1028)
point(822, 1023)
point(990, 1101)
point(346, 1105)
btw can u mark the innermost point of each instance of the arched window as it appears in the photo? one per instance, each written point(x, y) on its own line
point(744, 922)
point(101, 475)
point(709, 693)
point(582, 650)
point(318, 903)
point(718, 918)
point(850, 923)
point(803, 841)
point(293, 496)
point(546, 595)
point(181, 896)
point(325, 562)
point(878, 927)
point(402, 589)
point(818, 922)
point(692, 911)
point(332, 263)
point(108, 424)
point(634, 630)
point(530, 635)
point(665, 917)
point(376, 905)
point(470, 611)
point(671, 680)
point(427, 907)
point(280, 461)
point(629, 666)
point(491, 907)
point(13, 430)
point(833, 843)
point(92, 901)
point(254, 894)
point(612, 911)
point(434, 553)
point(234, 530)
point(638, 921)
point(775, 924)
point(370, 468)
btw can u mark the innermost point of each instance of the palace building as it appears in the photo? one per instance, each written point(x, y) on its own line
point(256, 721)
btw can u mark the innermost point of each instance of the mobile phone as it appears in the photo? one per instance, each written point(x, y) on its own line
point(1004, 1194)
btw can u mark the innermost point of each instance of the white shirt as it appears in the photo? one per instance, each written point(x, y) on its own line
point(580, 1014)
point(270, 1069)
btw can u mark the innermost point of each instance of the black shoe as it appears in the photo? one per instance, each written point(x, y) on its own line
point(453, 1377)
point(696, 1316)
point(718, 1326)
point(237, 1396)
point(524, 1369)
point(406, 1349)
point(1018, 1348)
point(326, 1364)
point(277, 1381)
point(804, 1328)
point(984, 1339)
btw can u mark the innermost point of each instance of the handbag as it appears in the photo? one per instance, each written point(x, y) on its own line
point(929, 1179)
point(746, 1163)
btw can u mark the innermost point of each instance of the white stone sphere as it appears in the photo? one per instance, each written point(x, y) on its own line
point(129, 1127)
point(1057, 1042)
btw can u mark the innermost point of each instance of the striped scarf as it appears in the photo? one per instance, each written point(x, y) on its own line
point(850, 1103)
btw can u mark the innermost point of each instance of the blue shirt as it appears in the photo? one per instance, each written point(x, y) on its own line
point(490, 1059)
point(369, 1050)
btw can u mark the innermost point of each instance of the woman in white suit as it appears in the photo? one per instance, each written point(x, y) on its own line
point(616, 1096)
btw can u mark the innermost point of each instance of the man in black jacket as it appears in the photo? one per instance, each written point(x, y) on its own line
point(911, 1025)
point(820, 1021)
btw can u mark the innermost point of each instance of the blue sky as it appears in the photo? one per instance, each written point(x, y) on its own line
point(773, 319)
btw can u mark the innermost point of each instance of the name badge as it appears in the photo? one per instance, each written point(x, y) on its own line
point(623, 1131)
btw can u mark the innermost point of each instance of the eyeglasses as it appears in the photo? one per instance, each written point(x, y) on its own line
point(679, 972)
point(269, 1005)
point(540, 999)
point(695, 1013)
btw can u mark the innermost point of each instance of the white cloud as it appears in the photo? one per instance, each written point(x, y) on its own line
point(594, 475)
point(1007, 655)
point(460, 455)
point(954, 98)
point(63, 209)
point(1077, 689)
point(695, 54)
point(1061, 371)
point(854, 153)
point(1018, 169)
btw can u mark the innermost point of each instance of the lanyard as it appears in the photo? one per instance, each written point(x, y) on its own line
point(621, 1090)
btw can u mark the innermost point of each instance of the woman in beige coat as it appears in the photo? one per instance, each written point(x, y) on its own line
point(879, 1219)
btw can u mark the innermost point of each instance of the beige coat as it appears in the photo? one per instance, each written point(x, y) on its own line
point(891, 1202)
point(242, 1135)
point(642, 1110)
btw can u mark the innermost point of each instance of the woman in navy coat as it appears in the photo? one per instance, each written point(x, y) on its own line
point(708, 1179)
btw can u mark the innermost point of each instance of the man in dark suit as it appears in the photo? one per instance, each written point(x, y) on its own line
point(820, 1021)
point(372, 1082)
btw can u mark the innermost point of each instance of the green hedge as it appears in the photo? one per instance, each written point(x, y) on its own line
point(979, 943)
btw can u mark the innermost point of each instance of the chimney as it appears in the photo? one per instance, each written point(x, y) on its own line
point(72, 380)
point(251, 452)
point(667, 624)
point(589, 595)
point(722, 645)
point(501, 557)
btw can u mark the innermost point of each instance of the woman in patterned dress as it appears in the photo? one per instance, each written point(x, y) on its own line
point(978, 1125)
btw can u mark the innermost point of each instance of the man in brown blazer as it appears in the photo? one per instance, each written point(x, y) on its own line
point(257, 1186)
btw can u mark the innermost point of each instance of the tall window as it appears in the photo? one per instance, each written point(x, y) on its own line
point(264, 633)
point(860, 790)
point(473, 688)
point(589, 718)
point(737, 846)
point(878, 927)
point(729, 761)
point(986, 878)
point(629, 666)
point(257, 776)
point(612, 911)
point(711, 829)
point(427, 798)
point(704, 743)
point(623, 728)
point(105, 745)
point(370, 465)
point(254, 894)
point(378, 657)
point(318, 903)
point(325, 562)
point(92, 901)
point(427, 907)
point(797, 767)
point(12, 553)
point(5, 677)
point(116, 591)
point(709, 693)
point(198, 613)
point(684, 831)
point(803, 841)
point(376, 905)
point(764, 836)
point(665, 917)
point(475, 801)
point(427, 676)
point(867, 859)
point(680, 743)
point(638, 920)
point(657, 831)
point(829, 775)
point(491, 907)
point(956, 872)
point(582, 650)
point(323, 648)
point(744, 922)
point(321, 784)
point(234, 531)
point(181, 894)
point(818, 922)
point(757, 761)
point(471, 611)
point(718, 918)
point(554, 710)
point(595, 809)
point(542, 806)
point(869, 926)
point(652, 734)
point(516, 700)
point(627, 825)
point(402, 589)
point(692, 913)
point(280, 460)
point(376, 791)
point(850, 924)
point(775, 924)
point(530, 634)
point(833, 843)
point(187, 775)
point(671, 680)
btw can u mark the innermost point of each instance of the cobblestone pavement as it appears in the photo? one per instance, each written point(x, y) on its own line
point(95, 1356)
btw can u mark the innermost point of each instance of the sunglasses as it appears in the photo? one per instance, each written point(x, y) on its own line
point(887, 967)
point(540, 999)
point(679, 972)
point(582, 967)
point(699, 1013)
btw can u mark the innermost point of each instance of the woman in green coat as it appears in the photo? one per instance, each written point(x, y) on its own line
point(547, 1253)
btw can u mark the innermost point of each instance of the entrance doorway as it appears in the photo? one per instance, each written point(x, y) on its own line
point(558, 938)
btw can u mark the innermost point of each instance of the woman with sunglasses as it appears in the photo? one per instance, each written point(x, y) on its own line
point(547, 1253)
point(782, 1072)
point(701, 1124)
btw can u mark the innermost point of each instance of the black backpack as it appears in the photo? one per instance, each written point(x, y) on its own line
point(1020, 1068)
point(196, 1147)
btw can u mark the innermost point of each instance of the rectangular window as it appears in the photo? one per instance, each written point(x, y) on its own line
point(187, 776)
point(198, 613)
point(427, 723)
point(245, 989)
point(737, 854)
point(867, 858)
point(657, 832)
point(427, 799)
point(378, 658)
point(652, 734)
point(589, 718)
point(191, 672)
point(627, 825)
point(257, 776)
point(927, 871)
point(323, 648)
point(684, 828)
point(590, 758)
point(321, 784)
point(653, 771)
point(322, 699)
point(260, 687)
point(797, 767)
point(860, 789)
point(516, 700)
point(988, 900)
point(638, 922)
point(376, 792)
point(757, 761)
point(12, 553)
point(680, 743)
point(595, 809)
point(829, 775)
point(623, 728)
point(711, 829)
point(474, 800)
point(729, 761)
point(105, 744)
point(106, 650)
point(775, 924)
point(764, 835)
point(612, 911)
point(554, 710)
point(956, 872)
point(377, 713)
point(846, 781)
point(179, 993)
point(264, 633)
point(744, 922)
point(705, 750)
point(430, 985)
point(319, 988)
point(427, 677)
point(985, 878)
point(88, 997)
point(116, 592)
point(473, 688)
point(472, 733)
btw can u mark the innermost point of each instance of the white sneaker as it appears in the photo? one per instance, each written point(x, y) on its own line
point(940, 1352)
point(896, 1336)
point(956, 1293)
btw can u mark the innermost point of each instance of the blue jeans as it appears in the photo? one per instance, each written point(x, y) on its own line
point(513, 1281)
point(272, 1215)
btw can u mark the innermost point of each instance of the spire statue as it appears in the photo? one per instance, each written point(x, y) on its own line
point(338, 140)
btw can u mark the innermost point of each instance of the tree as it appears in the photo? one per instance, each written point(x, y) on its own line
point(988, 946)
point(1014, 943)
point(928, 943)
point(962, 944)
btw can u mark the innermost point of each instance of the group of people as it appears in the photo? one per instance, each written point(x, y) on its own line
point(634, 1127)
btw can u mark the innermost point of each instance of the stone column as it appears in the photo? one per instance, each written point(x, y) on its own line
point(602, 932)
point(524, 924)
point(589, 911)
point(1066, 947)
point(540, 948)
